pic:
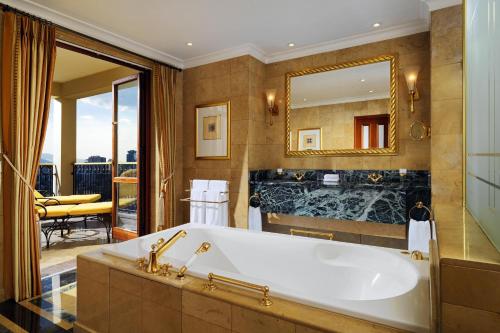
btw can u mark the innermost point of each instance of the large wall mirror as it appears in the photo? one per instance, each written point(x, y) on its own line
point(344, 109)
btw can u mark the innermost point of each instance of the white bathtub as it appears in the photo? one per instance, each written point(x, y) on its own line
point(372, 283)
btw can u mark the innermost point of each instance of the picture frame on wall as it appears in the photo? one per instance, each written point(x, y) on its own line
point(309, 139)
point(213, 131)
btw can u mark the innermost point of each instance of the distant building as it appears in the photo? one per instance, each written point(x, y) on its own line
point(132, 156)
point(96, 159)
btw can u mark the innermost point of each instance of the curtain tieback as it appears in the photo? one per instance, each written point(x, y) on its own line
point(163, 184)
point(18, 173)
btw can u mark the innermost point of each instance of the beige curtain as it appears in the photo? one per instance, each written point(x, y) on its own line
point(164, 81)
point(28, 53)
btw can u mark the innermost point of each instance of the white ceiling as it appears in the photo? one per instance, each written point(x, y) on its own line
point(73, 65)
point(220, 29)
point(341, 86)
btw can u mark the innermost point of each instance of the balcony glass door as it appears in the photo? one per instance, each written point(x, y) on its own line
point(126, 111)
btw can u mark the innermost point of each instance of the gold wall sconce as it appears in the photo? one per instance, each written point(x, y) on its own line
point(271, 104)
point(411, 75)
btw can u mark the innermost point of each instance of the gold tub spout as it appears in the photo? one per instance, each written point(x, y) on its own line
point(158, 249)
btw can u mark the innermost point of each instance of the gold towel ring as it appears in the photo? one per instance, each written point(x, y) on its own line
point(420, 205)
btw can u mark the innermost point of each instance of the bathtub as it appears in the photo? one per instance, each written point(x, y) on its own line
point(372, 283)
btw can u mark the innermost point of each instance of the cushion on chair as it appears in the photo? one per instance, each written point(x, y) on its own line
point(71, 199)
point(54, 211)
point(92, 208)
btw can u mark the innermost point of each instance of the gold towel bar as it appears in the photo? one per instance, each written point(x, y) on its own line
point(265, 301)
point(328, 235)
point(209, 202)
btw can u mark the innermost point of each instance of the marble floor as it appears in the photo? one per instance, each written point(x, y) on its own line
point(55, 310)
point(52, 312)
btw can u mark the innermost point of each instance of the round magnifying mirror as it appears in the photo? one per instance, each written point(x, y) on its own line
point(418, 131)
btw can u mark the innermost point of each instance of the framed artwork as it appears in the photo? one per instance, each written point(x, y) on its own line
point(309, 139)
point(213, 131)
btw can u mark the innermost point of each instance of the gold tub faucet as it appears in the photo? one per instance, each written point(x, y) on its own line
point(157, 250)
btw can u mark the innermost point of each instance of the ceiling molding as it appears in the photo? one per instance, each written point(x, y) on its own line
point(360, 39)
point(93, 31)
point(107, 36)
point(245, 49)
point(439, 4)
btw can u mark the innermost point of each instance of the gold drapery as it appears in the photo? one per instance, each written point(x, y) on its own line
point(164, 82)
point(28, 60)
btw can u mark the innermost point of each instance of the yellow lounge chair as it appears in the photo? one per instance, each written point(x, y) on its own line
point(61, 214)
point(66, 199)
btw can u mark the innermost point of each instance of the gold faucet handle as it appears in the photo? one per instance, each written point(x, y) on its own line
point(141, 263)
point(165, 269)
point(157, 244)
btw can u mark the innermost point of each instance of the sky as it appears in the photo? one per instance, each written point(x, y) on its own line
point(94, 125)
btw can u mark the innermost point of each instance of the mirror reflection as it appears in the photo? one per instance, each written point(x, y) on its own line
point(347, 108)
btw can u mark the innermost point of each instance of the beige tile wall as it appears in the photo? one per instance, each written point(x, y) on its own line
point(335, 120)
point(235, 80)
point(268, 152)
point(446, 105)
point(256, 144)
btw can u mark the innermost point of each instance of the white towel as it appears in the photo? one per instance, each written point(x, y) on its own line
point(218, 185)
point(217, 213)
point(199, 184)
point(254, 218)
point(331, 177)
point(419, 234)
point(197, 211)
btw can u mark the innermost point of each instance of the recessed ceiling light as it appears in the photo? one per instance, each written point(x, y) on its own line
point(189, 44)
point(376, 24)
point(305, 99)
point(371, 91)
point(291, 44)
point(363, 80)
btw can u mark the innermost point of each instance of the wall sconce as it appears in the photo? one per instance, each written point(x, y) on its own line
point(411, 75)
point(271, 105)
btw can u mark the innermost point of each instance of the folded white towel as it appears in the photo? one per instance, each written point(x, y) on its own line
point(218, 185)
point(419, 234)
point(197, 207)
point(331, 177)
point(254, 218)
point(217, 212)
point(199, 184)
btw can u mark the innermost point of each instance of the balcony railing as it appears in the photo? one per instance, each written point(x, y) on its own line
point(45, 179)
point(89, 178)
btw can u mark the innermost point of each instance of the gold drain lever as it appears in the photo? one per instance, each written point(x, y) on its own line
point(210, 286)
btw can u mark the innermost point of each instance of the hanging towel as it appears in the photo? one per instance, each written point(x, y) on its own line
point(254, 218)
point(419, 234)
point(217, 209)
point(218, 185)
point(199, 184)
point(197, 211)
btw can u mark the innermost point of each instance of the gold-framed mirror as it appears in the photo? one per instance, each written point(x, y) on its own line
point(343, 109)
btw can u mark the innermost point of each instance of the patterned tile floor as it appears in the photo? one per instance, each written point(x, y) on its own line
point(52, 312)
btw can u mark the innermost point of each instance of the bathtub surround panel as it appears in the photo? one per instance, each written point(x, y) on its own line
point(354, 198)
